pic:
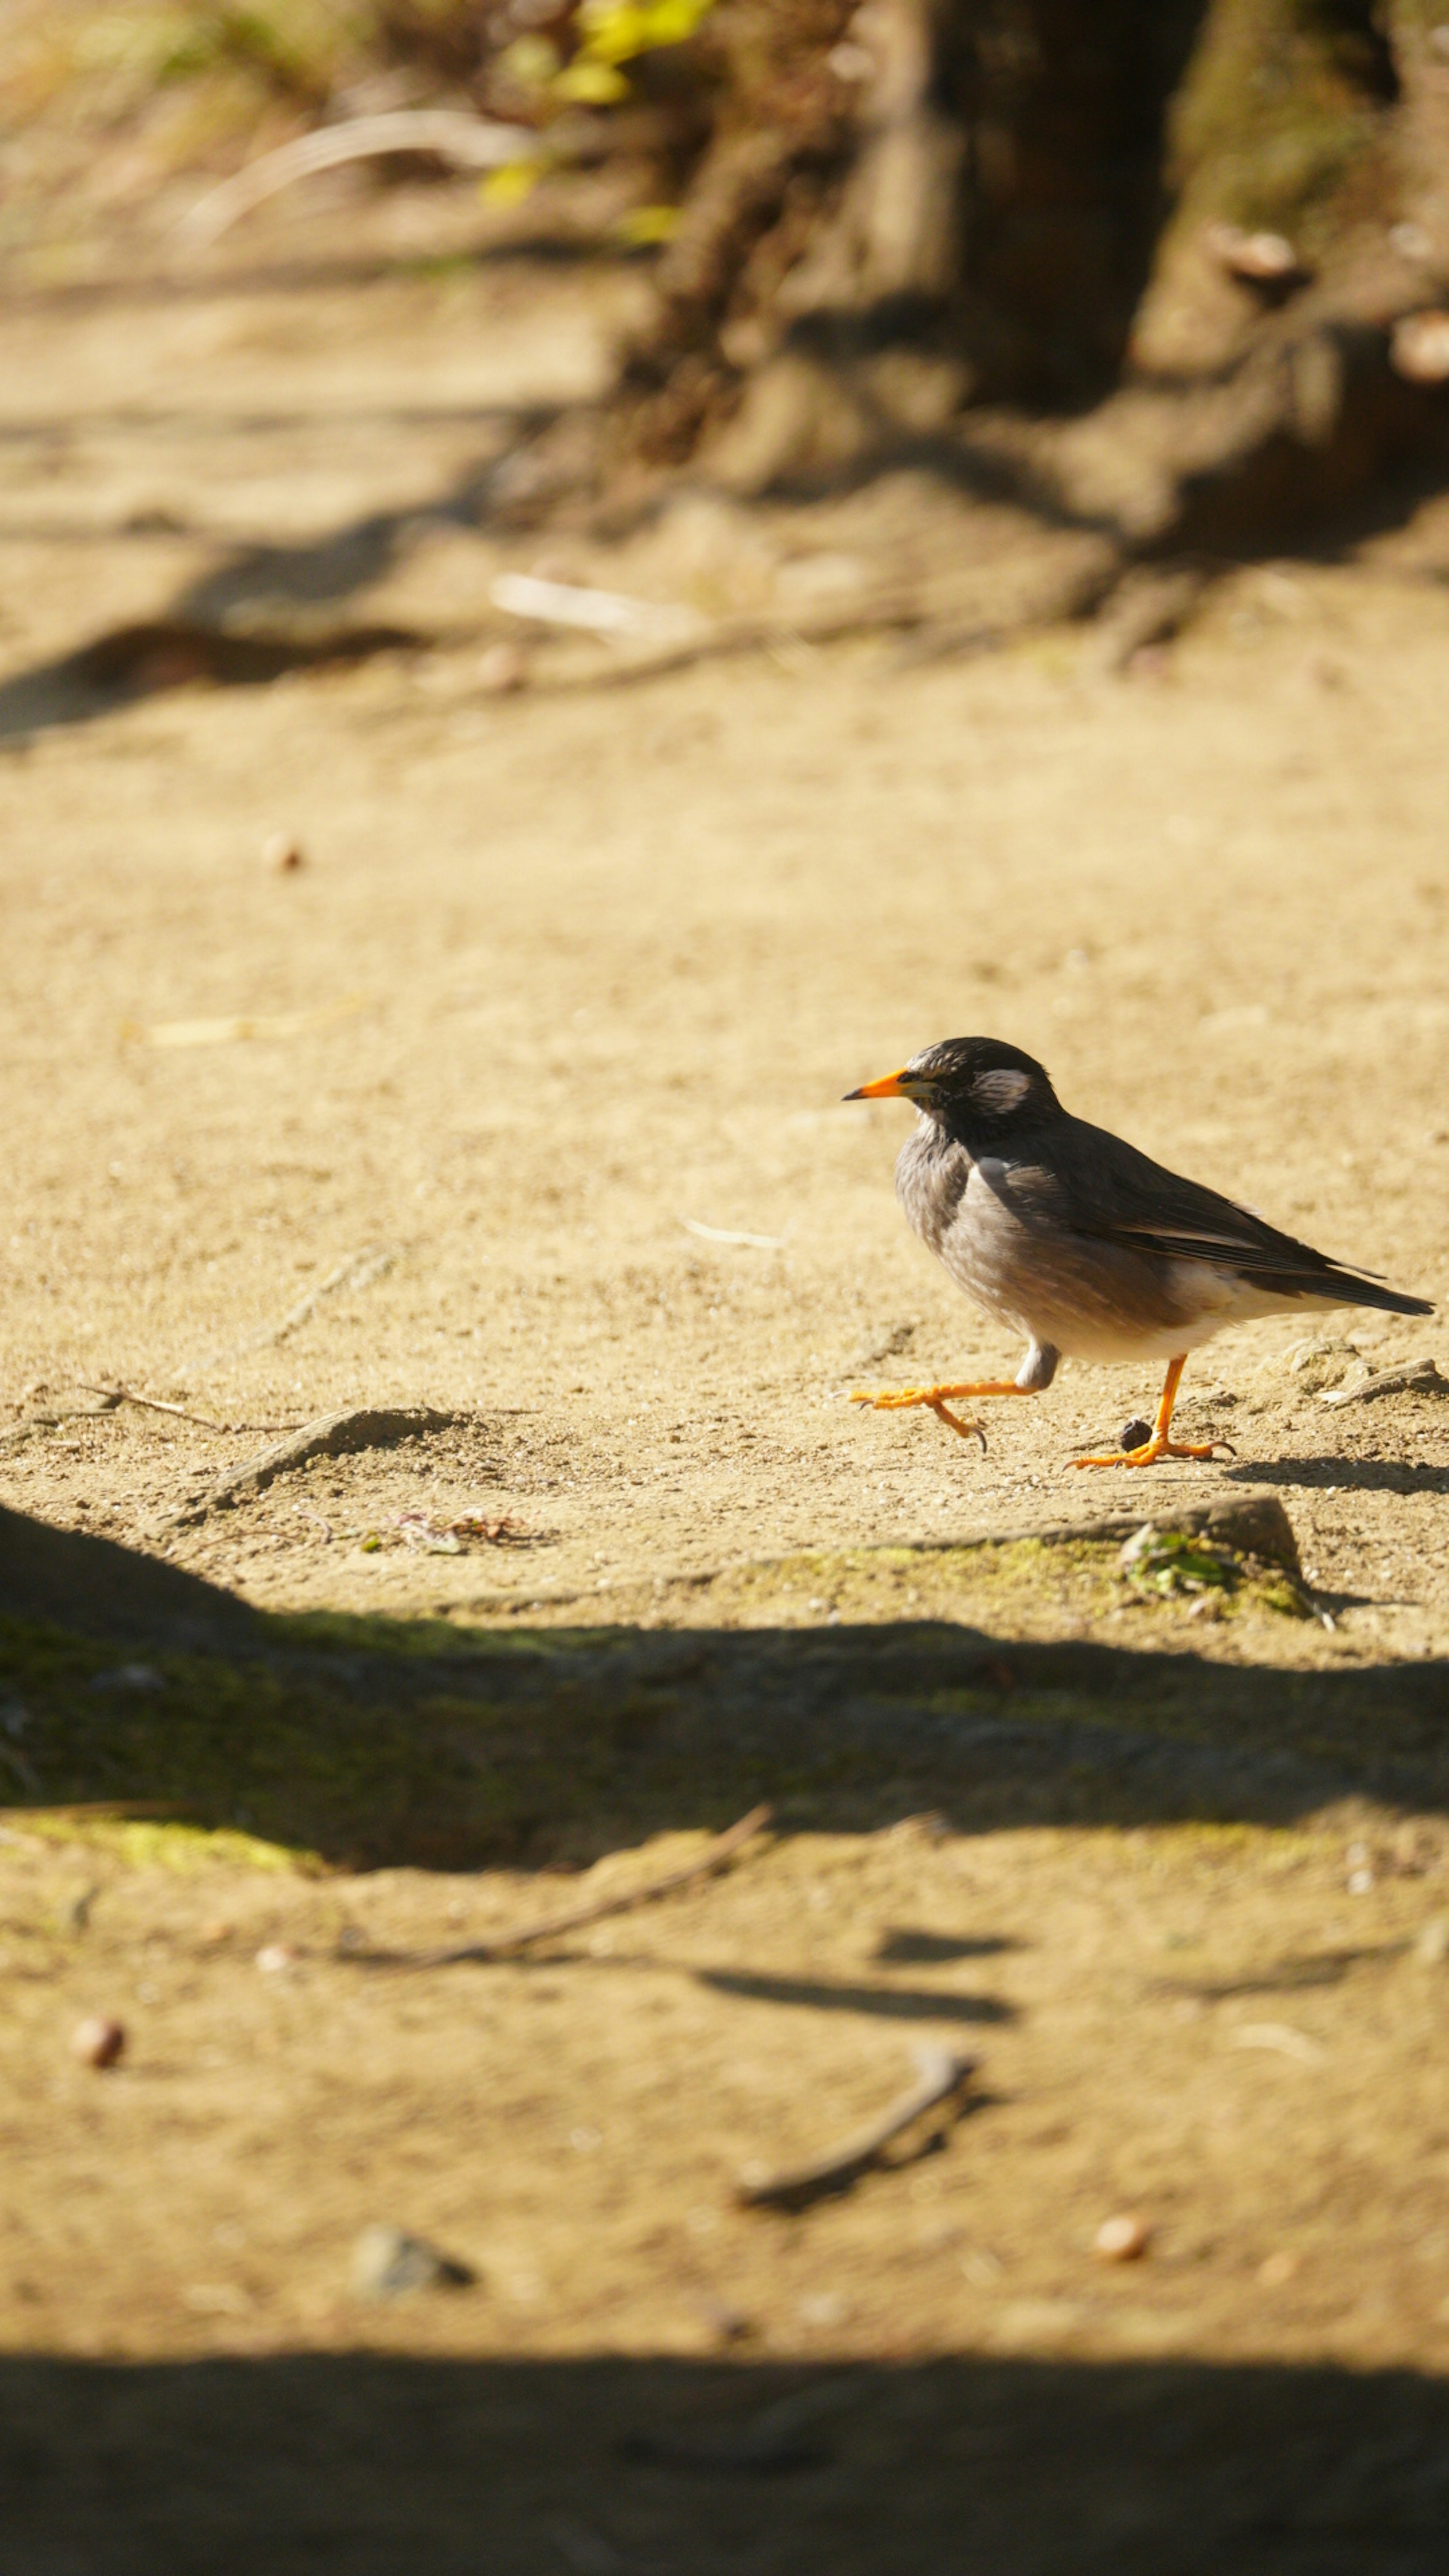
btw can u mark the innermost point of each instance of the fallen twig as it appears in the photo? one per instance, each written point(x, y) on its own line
point(116, 1395)
point(473, 142)
point(238, 1028)
point(597, 612)
point(333, 1435)
point(729, 635)
point(728, 1234)
point(1415, 1377)
point(1281, 2038)
point(933, 632)
point(511, 1944)
point(359, 1270)
point(50, 1418)
point(943, 2075)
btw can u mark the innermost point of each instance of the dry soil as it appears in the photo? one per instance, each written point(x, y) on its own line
point(519, 1099)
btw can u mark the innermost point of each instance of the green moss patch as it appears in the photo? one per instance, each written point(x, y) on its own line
point(1040, 1680)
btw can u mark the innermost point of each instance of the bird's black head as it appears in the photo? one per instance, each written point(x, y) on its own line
point(978, 1089)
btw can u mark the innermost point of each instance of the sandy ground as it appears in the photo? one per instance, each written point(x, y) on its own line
point(519, 1100)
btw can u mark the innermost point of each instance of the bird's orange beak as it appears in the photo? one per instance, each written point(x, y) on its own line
point(891, 1086)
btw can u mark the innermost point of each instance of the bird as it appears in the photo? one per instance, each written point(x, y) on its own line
point(1070, 1237)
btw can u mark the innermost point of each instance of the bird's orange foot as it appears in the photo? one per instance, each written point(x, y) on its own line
point(897, 1399)
point(1151, 1451)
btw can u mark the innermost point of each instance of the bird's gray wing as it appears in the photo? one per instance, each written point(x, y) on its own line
point(1106, 1190)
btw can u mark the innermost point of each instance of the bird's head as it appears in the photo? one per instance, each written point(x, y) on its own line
point(976, 1088)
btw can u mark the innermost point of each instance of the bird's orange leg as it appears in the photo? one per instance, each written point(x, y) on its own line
point(1159, 1446)
point(897, 1398)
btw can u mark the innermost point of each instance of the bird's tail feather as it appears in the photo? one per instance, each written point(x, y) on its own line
point(1346, 1288)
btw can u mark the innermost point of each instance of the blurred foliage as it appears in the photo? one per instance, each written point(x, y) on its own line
point(207, 82)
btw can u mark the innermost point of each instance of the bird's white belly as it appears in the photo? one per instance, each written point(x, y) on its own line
point(1207, 1300)
point(1080, 1312)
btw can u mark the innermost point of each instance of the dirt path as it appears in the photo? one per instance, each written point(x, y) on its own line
point(519, 1100)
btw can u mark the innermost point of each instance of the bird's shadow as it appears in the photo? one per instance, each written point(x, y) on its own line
point(1347, 1475)
point(903, 1947)
point(897, 2003)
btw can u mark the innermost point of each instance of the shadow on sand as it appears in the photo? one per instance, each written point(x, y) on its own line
point(964, 2466)
point(407, 1740)
point(400, 1740)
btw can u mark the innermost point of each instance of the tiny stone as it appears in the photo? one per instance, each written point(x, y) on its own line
point(129, 1677)
point(725, 2322)
point(283, 854)
point(274, 1958)
point(1278, 2268)
point(501, 670)
point(97, 2041)
point(1419, 349)
point(1122, 2240)
point(1360, 1881)
point(387, 2263)
point(1265, 259)
point(1432, 1945)
point(823, 2309)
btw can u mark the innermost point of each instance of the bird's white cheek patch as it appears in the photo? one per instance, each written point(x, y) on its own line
point(1001, 1090)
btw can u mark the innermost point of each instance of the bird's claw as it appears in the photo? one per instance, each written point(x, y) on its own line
point(1152, 1450)
point(953, 1421)
point(897, 1399)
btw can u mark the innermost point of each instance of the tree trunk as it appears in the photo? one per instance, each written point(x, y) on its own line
point(933, 205)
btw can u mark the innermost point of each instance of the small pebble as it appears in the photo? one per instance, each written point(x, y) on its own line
point(1264, 259)
point(1135, 1435)
point(97, 2041)
point(283, 854)
point(387, 2263)
point(1432, 1945)
point(1122, 2240)
point(275, 1957)
point(823, 2309)
point(1359, 1861)
point(1278, 2268)
point(721, 2319)
point(501, 670)
point(1420, 348)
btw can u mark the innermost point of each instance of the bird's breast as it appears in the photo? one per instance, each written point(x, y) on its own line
point(999, 1230)
point(932, 1178)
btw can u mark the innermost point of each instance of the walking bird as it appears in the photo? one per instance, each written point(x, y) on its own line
point(1070, 1237)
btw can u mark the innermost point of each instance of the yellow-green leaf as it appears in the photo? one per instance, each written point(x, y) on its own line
point(512, 183)
point(530, 60)
point(590, 84)
point(643, 225)
point(616, 30)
